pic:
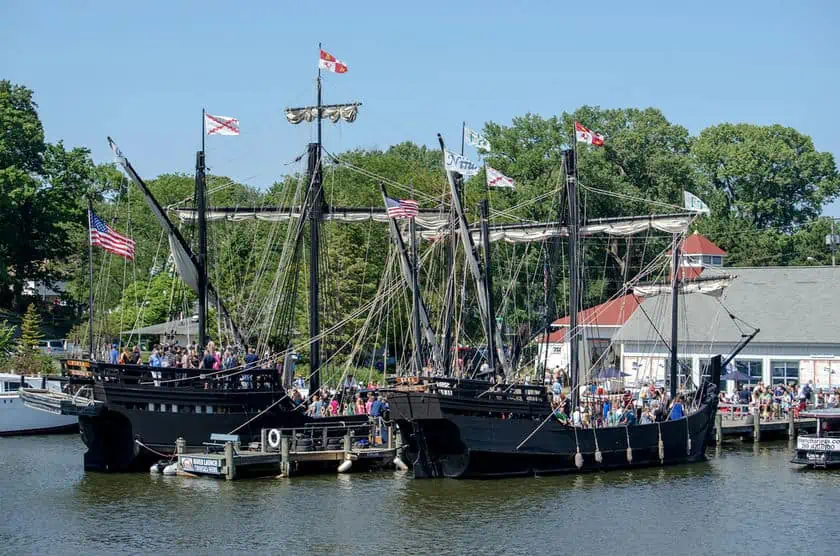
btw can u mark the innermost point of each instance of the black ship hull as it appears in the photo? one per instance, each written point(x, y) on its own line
point(137, 425)
point(449, 437)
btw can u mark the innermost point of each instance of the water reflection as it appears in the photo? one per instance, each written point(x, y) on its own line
point(632, 511)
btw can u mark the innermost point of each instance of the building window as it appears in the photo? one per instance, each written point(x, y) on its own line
point(707, 259)
point(717, 260)
point(751, 368)
point(784, 372)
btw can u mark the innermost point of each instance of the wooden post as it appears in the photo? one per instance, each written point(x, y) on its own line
point(180, 446)
point(718, 428)
point(791, 425)
point(757, 425)
point(263, 440)
point(390, 436)
point(324, 440)
point(231, 472)
point(285, 468)
point(347, 445)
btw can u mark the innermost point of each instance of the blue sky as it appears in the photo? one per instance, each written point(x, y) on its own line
point(141, 72)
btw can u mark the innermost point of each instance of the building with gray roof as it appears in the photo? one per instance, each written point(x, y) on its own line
point(797, 310)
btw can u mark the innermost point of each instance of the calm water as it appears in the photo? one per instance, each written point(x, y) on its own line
point(744, 500)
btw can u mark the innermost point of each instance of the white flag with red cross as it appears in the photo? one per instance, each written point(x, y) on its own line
point(328, 62)
point(585, 135)
point(220, 125)
point(498, 179)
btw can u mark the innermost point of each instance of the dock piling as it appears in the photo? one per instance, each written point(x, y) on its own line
point(757, 425)
point(180, 446)
point(791, 425)
point(718, 428)
point(230, 470)
point(285, 469)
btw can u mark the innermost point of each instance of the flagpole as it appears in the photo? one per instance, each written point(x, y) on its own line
point(319, 104)
point(90, 278)
point(463, 130)
point(203, 128)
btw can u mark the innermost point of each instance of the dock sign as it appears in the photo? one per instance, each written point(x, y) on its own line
point(208, 466)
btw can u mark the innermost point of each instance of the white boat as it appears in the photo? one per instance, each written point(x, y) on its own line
point(820, 450)
point(16, 418)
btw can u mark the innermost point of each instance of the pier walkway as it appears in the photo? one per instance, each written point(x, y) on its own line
point(736, 421)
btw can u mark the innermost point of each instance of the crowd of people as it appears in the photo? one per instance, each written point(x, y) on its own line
point(332, 403)
point(186, 357)
point(776, 401)
point(617, 410)
point(600, 408)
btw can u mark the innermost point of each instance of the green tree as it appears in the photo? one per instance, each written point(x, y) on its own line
point(771, 176)
point(41, 196)
point(29, 360)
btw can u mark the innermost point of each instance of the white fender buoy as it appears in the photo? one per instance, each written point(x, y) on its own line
point(599, 458)
point(274, 438)
point(171, 469)
point(629, 449)
point(400, 464)
point(154, 469)
point(688, 438)
point(661, 445)
point(578, 456)
point(345, 466)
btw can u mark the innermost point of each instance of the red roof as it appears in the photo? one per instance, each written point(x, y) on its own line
point(689, 272)
point(697, 244)
point(612, 313)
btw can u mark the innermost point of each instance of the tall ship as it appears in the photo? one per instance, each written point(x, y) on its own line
point(495, 422)
point(130, 416)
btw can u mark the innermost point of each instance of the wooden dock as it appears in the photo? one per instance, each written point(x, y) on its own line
point(288, 452)
point(738, 423)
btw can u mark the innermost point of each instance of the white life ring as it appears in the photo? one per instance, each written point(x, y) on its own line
point(274, 438)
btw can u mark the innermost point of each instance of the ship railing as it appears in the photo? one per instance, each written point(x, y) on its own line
point(314, 437)
point(202, 379)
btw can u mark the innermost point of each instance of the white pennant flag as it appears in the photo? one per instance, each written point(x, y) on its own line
point(221, 125)
point(693, 202)
point(462, 165)
point(476, 139)
point(498, 179)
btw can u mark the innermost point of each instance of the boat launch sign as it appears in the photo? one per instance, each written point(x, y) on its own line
point(461, 164)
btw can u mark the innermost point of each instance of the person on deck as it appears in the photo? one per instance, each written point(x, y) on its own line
point(125, 357)
point(136, 358)
point(369, 403)
point(376, 408)
point(565, 404)
point(677, 411)
point(114, 355)
point(251, 358)
point(154, 359)
point(209, 358)
point(629, 417)
point(359, 405)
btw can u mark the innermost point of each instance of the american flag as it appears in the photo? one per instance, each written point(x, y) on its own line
point(104, 236)
point(401, 208)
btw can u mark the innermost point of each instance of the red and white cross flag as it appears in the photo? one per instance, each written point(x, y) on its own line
point(328, 62)
point(220, 125)
point(498, 179)
point(585, 135)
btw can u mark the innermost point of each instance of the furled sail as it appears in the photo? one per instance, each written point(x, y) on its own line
point(432, 219)
point(540, 231)
point(332, 112)
point(186, 262)
point(713, 285)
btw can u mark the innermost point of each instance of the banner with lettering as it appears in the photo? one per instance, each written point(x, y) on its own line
point(461, 164)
